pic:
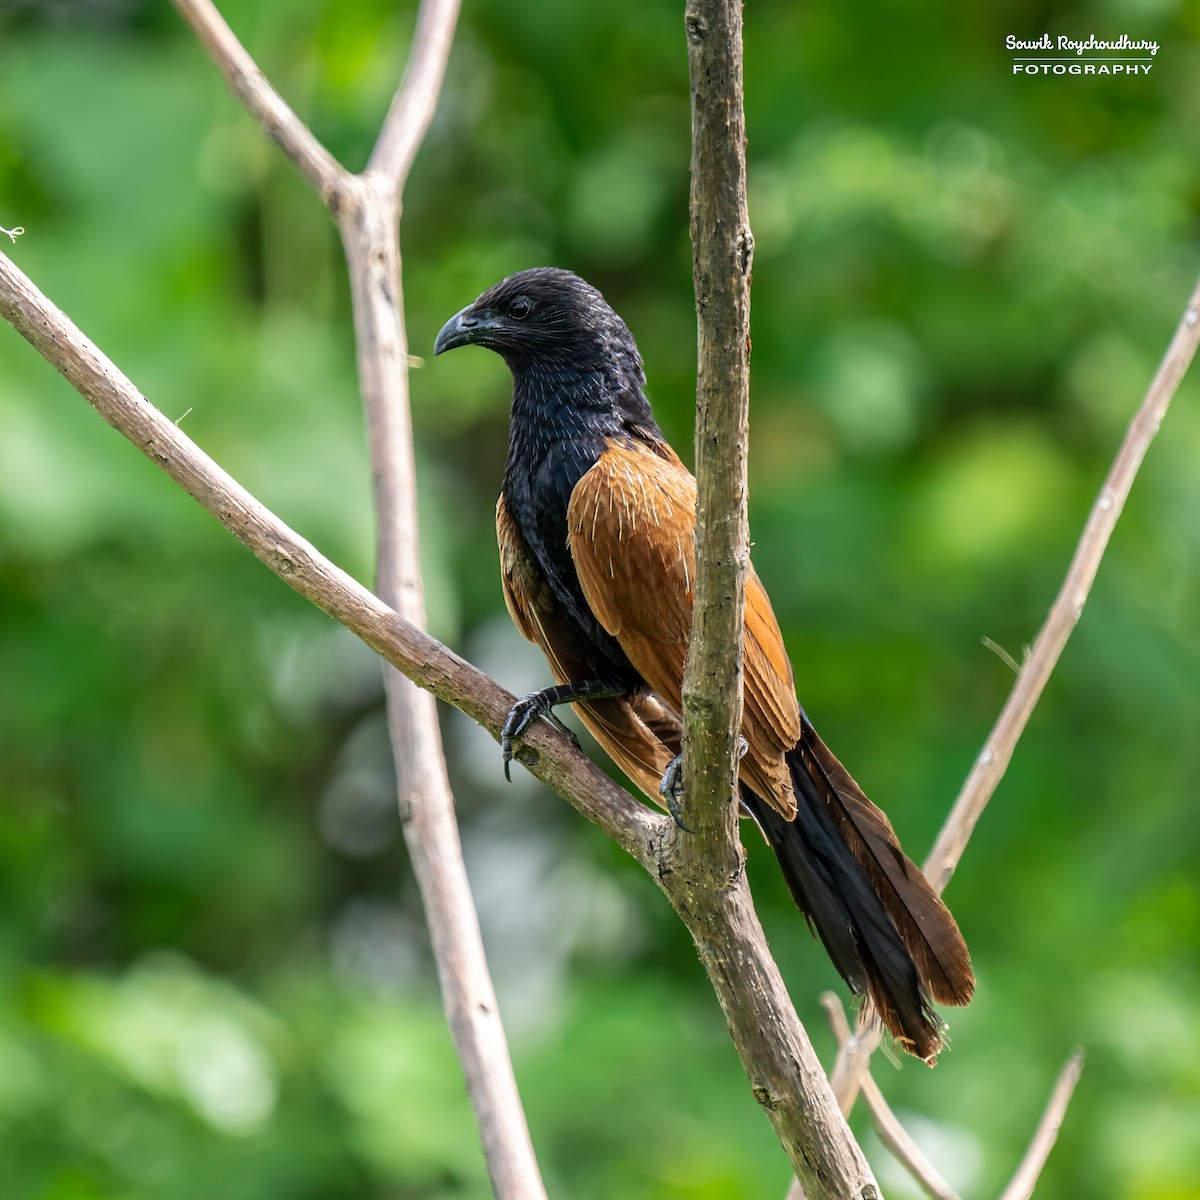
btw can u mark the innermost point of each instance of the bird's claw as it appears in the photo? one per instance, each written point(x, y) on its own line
point(520, 717)
point(672, 791)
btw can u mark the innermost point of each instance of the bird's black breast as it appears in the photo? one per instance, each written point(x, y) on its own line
point(538, 481)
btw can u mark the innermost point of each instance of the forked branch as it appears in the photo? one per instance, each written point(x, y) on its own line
point(367, 209)
point(851, 1068)
point(906, 1151)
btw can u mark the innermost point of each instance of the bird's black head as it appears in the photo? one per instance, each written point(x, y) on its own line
point(549, 324)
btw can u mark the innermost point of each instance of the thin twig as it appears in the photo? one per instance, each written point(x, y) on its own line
point(1067, 608)
point(413, 106)
point(893, 1135)
point(1062, 618)
point(1025, 1180)
point(1002, 654)
point(271, 111)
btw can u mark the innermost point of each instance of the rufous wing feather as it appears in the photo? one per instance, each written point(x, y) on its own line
point(636, 732)
point(631, 529)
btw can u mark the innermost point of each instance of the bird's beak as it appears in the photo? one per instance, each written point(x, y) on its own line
point(462, 329)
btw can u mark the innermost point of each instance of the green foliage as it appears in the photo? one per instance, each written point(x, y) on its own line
point(213, 976)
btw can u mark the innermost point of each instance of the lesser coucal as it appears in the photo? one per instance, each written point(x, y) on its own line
point(596, 525)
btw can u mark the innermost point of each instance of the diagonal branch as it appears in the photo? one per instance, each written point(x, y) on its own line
point(272, 112)
point(401, 643)
point(414, 103)
point(1062, 618)
point(1067, 608)
point(1030, 1169)
point(548, 753)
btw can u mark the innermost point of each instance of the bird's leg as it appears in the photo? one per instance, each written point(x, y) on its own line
point(541, 704)
point(672, 790)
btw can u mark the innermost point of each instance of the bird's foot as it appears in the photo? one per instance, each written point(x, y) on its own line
point(521, 716)
point(672, 791)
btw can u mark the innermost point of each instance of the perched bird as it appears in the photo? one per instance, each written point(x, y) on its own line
point(596, 524)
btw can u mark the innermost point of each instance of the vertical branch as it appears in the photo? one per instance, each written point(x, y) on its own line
point(721, 252)
point(368, 225)
point(702, 871)
point(370, 233)
point(367, 208)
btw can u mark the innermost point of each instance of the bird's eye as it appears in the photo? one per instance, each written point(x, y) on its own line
point(520, 308)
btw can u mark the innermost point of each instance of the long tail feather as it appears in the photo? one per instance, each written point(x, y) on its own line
point(924, 923)
point(885, 929)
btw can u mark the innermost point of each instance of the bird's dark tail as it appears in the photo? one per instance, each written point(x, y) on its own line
point(886, 930)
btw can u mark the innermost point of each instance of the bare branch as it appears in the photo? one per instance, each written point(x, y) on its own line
point(705, 877)
point(267, 107)
point(368, 217)
point(546, 752)
point(414, 103)
point(1067, 608)
point(893, 1135)
point(1023, 1182)
point(721, 253)
point(1064, 614)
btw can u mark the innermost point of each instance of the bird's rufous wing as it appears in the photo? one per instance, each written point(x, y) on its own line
point(639, 733)
point(631, 530)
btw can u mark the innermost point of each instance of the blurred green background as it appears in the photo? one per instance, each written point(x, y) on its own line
point(214, 978)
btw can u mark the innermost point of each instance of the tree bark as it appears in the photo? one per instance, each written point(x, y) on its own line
point(705, 877)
